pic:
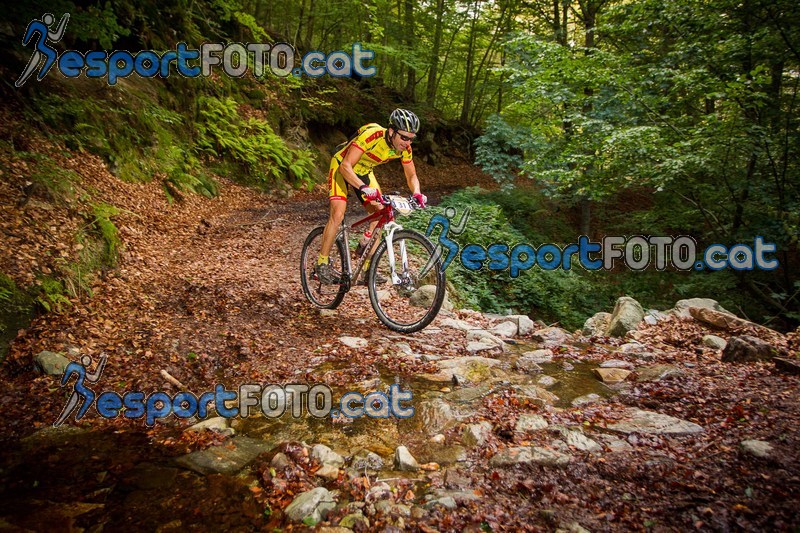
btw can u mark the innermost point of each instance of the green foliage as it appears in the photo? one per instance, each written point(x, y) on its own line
point(52, 295)
point(101, 221)
point(555, 296)
point(263, 157)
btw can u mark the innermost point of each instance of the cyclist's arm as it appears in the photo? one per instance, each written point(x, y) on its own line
point(411, 177)
point(346, 167)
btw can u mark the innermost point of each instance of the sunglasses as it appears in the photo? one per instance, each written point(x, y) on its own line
point(405, 137)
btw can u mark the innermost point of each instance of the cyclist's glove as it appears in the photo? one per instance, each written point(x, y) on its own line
point(370, 193)
point(421, 200)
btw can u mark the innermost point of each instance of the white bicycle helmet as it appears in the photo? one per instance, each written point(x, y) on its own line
point(402, 119)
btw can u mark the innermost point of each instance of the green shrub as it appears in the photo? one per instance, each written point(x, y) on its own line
point(263, 157)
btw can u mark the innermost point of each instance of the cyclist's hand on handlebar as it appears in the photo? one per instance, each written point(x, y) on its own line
point(370, 193)
point(421, 199)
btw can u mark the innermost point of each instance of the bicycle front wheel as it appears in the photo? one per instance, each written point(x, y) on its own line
point(327, 294)
point(406, 298)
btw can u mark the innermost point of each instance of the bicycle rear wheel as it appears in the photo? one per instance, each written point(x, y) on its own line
point(324, 295)
point(411, 300)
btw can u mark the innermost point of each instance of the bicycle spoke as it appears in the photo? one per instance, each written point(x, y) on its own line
point(407, 298)
point(326, 295)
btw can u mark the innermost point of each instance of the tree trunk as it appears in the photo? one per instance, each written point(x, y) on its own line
point(430, 93)
point(469, 87)
point(411, 80)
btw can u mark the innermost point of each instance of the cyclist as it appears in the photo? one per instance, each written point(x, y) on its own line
point(351, 167)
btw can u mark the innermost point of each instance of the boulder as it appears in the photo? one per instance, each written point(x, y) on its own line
point(506, 329)
point(551, 337)
point(714, 342)
point(596, 325)
point(51, 363)
point(747, 348)
point(681, 307)
point(626, 317)
point(423, 297)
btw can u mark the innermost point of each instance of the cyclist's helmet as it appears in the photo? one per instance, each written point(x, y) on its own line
point(402, 119)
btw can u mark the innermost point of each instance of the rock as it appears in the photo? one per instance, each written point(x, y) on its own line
point(525, 325)
point(438, 439)
point(328, 472)
point(377, 492)
point(579, 441)
point(784, 364)
point(470, 394)
point(746, 348)
point(51, 363)
point(280, 461)
point(404, 461)
point(538, 394)
point(326, 456)
point(610, 376)
point(353, 342)
point(530, 422)
point(681, 307)
point(651, 423)
point(448, 502)
point(626, 317)
point(228, 458)
point(658, 372)
point(551, 337)
point(354, 520)
point(529, 455)
point(547, 382)
point(423, 297)
point(476, 434)
point(617, 363)
point(462, 497)
point(616, 444)
point(442, 454)
point(636, 349)
point(367, 460)
point(454, 478)
point(474, 347)
point(148, 476)
point(313, 503)
point(481, 335)
point(218, 424)
point(714, 342)
point(435, 416)
point(758, 448)
point(596, 325)
point(527, 365)
point(721, 320)
point(506, 329)
point(586, 398)
point(474, 368)
point(538, 356)
point(457, 324)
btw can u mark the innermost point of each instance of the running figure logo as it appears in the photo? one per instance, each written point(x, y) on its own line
point(41, 28)
point(444, 239)
point(79, 389)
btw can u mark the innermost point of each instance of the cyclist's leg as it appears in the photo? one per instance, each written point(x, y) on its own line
point(337, 197)
point(371, 207)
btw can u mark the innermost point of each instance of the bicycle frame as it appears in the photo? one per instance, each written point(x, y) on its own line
point(385, 218)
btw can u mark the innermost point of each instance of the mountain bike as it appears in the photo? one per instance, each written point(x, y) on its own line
point(405, 279)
